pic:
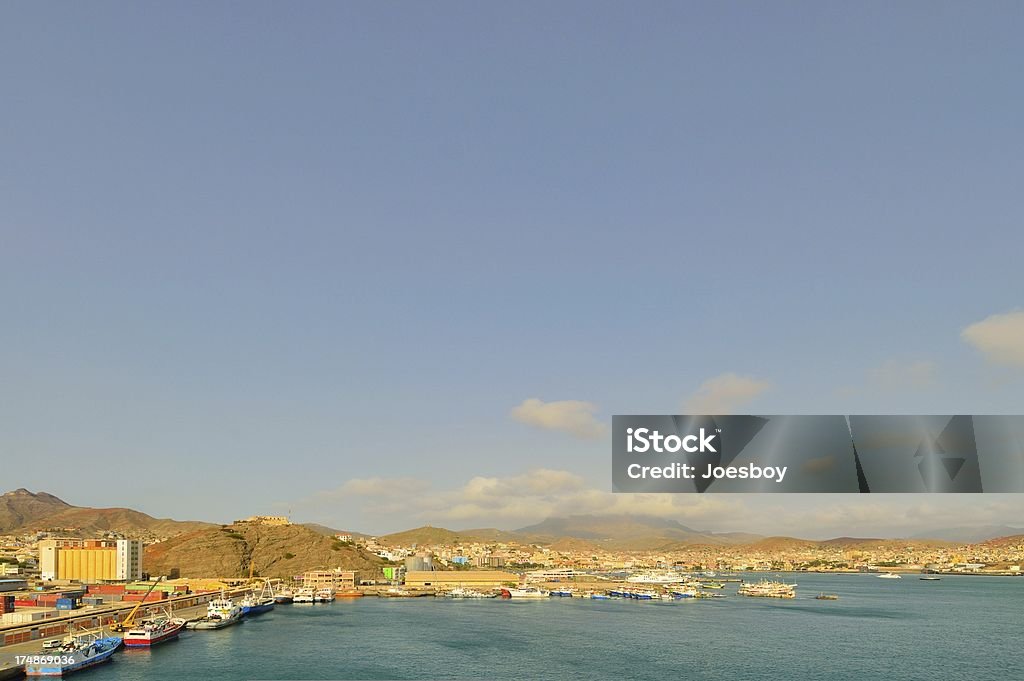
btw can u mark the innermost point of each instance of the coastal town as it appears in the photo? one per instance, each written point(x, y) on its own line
point(76, 570)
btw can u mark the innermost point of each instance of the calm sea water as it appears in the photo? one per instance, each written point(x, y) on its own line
point(958, 628)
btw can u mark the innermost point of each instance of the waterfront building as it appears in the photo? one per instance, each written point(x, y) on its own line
point(453, 578)
point(90, 560)
point(330, 579)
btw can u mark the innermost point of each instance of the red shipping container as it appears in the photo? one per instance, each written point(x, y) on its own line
point(155, 596)
point(25, 603)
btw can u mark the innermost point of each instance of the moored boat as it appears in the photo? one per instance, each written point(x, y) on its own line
point(889, 575)
point(323, 596)
point(524, 592)
point(153, 631)
point(768, 589)
point(929, 579)
point(81, 652)
point(220, 612)
point(304, 596)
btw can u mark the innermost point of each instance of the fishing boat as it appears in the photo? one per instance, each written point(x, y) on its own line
point(768, 589)
point(349, 593)
point(153, 631)
point(929, 579)
point(656, 577)
point(525, 592)
point(220, 612)
point(284, 596)
point(251, 604)
point(598, 596)
point(889, 575)
point(256, 604)
point(324, 596)
point(304, 596)
point(684, 593)
point(560, 593)
point(460, 592)
point(77, 653)
point(826, 597)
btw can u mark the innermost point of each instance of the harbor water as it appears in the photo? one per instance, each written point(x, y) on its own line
point(957, 628)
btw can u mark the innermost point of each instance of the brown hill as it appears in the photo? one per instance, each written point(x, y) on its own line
point(274, 551)
point(21, 507)
point(24, 511)
point(92, 520)
point(439, 536)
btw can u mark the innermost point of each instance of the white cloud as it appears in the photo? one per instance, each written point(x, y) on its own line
point(526, 498)
point(999, 337)
point(723, 394)
point(367, 487)
point(570, 416)
point(895, 375)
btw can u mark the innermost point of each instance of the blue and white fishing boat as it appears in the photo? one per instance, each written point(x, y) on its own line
point(560, 593)
point(78, 653)
point(253, 604)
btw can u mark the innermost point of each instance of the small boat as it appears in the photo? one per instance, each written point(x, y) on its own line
point(77, 653)
point(598, 596)
point(220, 612)
point(525, 592)
point(459, 592)
point(889, 575)
point(560, 593)
point(324, 596)
point(396, 592)
point(284, 596)
point(826, 597)
point(153, 631)
point(684, 593)
point(349, 593)
point(768, 589)
point(930, 579)
point(253, 604)
point(304, 596)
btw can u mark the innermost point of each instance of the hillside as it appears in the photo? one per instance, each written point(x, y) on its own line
point(24, 511)
point(330, 531)
point(21, 507)
point(275, 551)
point(624, 532)
point(434, 536)
point(970, 535)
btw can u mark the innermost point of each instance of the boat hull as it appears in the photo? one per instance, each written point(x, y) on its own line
point(78, 661)
point(143, 641)
point(250, 610)
point(206, 624)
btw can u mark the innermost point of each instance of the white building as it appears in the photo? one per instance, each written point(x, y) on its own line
point(129, 559)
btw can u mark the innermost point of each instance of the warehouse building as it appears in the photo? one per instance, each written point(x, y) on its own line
point(90, 560)
point(453, 578)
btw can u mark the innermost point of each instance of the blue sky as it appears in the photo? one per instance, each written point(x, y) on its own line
point(284, 247)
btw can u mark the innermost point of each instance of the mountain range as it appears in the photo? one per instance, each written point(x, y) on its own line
point(22, 511)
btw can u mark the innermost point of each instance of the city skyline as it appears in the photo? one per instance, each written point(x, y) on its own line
point(390, 265)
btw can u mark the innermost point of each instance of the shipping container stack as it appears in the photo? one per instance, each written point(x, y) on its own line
point(6, 604)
